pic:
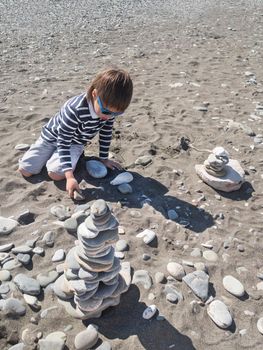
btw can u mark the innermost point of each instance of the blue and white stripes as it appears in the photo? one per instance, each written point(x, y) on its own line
point(77, 123)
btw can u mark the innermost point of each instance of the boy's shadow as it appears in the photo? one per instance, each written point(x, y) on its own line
point(145, 190)
point(125, 320)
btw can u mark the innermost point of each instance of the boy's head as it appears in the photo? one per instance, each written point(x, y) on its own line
point(111, 90)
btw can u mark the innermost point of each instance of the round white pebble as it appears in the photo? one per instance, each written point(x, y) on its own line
point(149, 312)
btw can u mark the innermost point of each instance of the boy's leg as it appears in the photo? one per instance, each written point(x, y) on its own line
point(54, 167)
point(36, 157)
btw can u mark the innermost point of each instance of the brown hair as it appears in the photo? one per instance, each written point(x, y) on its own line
point(114, 87)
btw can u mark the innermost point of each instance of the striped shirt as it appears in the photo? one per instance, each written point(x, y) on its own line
point(77, 123)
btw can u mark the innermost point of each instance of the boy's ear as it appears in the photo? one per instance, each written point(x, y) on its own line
point(94, 93)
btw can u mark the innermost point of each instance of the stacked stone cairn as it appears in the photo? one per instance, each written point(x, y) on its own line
point(93, 277)
point(221, 172)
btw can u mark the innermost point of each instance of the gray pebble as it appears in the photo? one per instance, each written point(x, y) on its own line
point(45, 279)
point(7, 225)
point(49, 238)
point(23, 249)
point(59, 255)
point(172, 214)
point(12, 307)
point(159, 277)
point(121, 245)
point(146, 257)
point(38, 251)
point(25, 259)
point(27, 285)
point(6, 247)
point(171, 297)
point(71, 225)
point(11, 264)
point(240, 248)
point(143, 160)
point(125, 188)
point(87, 338)
point(143, 278)
point(4, 288)
point(60, 212)
point(22, 147)
point(5, 275)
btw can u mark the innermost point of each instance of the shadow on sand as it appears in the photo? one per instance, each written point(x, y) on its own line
point(125, 320)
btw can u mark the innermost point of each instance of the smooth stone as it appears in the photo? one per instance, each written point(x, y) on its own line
point(196, 253)
point(172, 214)
point(149, 312)
point(198, 281)
point(22, 147)
point(4, 288)
point(87, 338)
point(260, 325)
point(260, 286)
point(45, 344)
point(147, 235)
point(121, 245)
point(200, 266)
point(38, 250)
point(31, 242)
point(25, 259)
point(11, 264)
point(23, 249)
point(170, 288)
point(26, 217)
point(119, 255)
point(19, 346)
point(78, 196)
point(27, 285)
point(122, 178)
point(104, 346)
point(210, 255)
point(176, 270)
point(171, 297)
point(56, 336)
point(3, 257)
point(146, 257)
point(96, 169)
point(125, 188)
point(71, 225)
point(45, 312)
point(31, 300)
point(7, 225)
point(60, 212)
point(143, 278)
point(87, 275)
point(13, 307)
point(159, 277)
point(143, 160)
point(232, 181)
point(6, 247)
point(233, 286)
point(45, 279)
point(5, 275)
point(59, 255)
point(219, 313)
point(49, 238)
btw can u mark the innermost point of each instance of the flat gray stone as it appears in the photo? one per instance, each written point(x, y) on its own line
point(198, 281)
point(7, 225)
point(45, 279)
point(6, 247)
point(11, 264)
point(219, 313)
point(23, 249)
point(171, 289)
point(172, 214)
point(49, 238)
point(27, 285)
point(13, 307)
point(142, 277)
point(172, 297)
point(38, 250)
point(87, 338)
point(25, 259)
point(209, 255)
point(60, 212)
point(143, 160)
point(22, 147)
point(233, 286)
point(71, 225)
point(59, 255)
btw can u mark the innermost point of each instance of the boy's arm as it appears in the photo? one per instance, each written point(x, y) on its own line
point(105, 136)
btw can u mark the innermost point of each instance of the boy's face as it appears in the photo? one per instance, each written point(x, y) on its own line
point(99, 107)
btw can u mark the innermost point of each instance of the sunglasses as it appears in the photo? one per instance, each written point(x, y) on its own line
point(107, 111)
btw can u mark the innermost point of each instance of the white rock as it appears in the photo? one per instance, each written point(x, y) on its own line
point(232, 181)
point(6, 247)
point(260, 325)
point(59, 255)
point(147, 235)
point(233, 286)
point(122, 178)
point(96, 169)
point(219, 313)
point(7, 225)
point(87, 338)
point(176, 270)
point(31, 300)
point(209, 255)
point(149, 312)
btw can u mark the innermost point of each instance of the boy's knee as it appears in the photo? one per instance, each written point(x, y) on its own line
point(24, 173)
point(55, 177)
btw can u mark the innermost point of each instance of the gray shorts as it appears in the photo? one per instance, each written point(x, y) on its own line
point(43, 153)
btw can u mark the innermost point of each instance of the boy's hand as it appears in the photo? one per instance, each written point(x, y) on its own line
point(72, 185)
point(111, 164)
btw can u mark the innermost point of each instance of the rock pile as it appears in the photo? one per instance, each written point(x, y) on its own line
point(93, 276)
point(221, 172)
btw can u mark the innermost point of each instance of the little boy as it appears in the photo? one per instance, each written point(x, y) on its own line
point(63, 138)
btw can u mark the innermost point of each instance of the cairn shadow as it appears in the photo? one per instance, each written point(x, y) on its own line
point(125, 320)
point(243, 194)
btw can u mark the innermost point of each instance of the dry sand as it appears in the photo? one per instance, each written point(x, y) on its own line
point(180, 55)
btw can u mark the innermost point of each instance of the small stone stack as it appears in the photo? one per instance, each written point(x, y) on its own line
point(216, 161)
point(92, 274)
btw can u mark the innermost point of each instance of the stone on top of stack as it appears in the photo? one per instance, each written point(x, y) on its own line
point(92, 275)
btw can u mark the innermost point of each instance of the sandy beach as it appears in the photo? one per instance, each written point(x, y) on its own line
point(182, 55)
